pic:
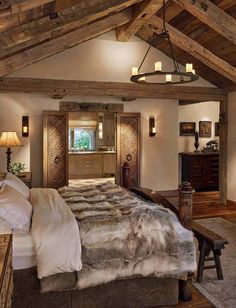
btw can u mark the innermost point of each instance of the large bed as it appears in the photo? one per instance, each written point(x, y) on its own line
point(99, 246)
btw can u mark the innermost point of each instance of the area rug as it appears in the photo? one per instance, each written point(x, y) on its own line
point(221, 293)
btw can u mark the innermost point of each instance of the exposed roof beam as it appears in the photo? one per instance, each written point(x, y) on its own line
point(212, 16)
point(195, 49)
point(17, 7)
point(188, 102)
point(63, 42)
point(116, 89)
point(141, 13)
point(70, 19)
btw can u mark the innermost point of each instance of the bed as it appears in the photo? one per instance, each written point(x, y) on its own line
point(141, 276)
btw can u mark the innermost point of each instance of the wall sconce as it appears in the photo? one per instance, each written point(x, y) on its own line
point(25, 126)
point(100, 128)
point(152, 126)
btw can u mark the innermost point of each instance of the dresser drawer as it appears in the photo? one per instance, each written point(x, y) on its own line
point(6, 271)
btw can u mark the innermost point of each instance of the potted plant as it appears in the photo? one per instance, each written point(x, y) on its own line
point(16, 168)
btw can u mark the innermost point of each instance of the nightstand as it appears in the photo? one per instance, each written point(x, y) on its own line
point(6, 271)
point(26, 177)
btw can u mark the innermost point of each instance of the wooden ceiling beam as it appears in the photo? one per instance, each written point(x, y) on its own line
point(195, 49)
point(141, 13)
point(188, 102)
point(212, 16)
point(17, 7)
point(63, 42)
point(115, 89)
point(70, 19)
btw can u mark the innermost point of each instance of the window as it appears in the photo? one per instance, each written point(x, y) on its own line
point(82, 139)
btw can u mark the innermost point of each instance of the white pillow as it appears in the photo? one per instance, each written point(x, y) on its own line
point(15, 209)
point(13, 181)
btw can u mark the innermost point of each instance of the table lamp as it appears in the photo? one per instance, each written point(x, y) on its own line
point(9, 140)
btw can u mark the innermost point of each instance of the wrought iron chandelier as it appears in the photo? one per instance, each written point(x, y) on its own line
point(158, 76)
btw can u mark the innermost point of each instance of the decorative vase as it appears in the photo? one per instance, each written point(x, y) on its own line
point(196, 143)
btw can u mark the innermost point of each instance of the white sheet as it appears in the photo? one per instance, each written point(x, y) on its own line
point(23, 247)
point(55, 234)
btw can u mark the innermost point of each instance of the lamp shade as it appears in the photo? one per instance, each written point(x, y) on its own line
point(9, 139)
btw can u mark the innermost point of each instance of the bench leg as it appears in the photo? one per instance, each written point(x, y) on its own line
point(201, 260)
point(217, 254)
point(185, 291)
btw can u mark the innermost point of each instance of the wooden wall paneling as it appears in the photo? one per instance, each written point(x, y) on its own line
point(55, 149)
point(128, 143)
point(223, 150)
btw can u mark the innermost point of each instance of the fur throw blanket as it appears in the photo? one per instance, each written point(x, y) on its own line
point(124, 236)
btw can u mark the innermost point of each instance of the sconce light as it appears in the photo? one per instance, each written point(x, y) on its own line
point(152, 126)
point(25, 126)
point(100, 128)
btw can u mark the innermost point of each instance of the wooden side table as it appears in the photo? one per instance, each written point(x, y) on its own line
point(6, 271)
point(26, 177)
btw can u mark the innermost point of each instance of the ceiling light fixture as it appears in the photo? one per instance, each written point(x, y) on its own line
point(158, 76)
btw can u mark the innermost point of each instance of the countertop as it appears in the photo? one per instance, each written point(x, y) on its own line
point(199, 153)
point(91, 152)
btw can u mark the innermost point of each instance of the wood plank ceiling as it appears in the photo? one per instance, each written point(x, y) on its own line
point(204, 31)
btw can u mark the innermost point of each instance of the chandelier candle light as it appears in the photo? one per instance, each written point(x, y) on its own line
point(161, 76)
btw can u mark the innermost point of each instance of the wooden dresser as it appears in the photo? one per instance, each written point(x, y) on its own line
point(91, 165)
point(201, 170)
point(6, 271)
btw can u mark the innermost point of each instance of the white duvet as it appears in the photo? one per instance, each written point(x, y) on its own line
point(55, 234)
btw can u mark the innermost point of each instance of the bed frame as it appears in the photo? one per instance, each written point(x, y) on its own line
point(136, 292)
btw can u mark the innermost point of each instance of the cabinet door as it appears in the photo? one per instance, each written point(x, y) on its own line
point(55, 149)
point(108, 130)
point(212, 171)
point(109, 163)
point(128, 146)
point(197, 172)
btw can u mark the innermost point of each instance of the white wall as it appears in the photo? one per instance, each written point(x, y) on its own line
point(231, 180)
point(207, 111)
point(101, 59)
point(12, 107)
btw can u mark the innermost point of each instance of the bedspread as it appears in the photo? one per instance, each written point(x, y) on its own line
point(125, 236)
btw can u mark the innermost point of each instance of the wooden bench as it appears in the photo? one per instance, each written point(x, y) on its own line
point(208, 242)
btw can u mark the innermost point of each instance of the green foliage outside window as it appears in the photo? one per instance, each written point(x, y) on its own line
point(82, 140)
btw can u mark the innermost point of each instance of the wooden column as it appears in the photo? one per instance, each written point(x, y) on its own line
point(185, 217)
point(223, 150)
point(185, 204)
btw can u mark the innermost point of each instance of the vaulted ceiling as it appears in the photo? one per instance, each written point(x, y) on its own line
point(202, 31)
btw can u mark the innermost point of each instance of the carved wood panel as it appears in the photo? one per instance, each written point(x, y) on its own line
point(128, 146)
point(55, 149)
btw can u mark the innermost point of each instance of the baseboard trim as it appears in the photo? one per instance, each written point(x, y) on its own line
point(230, 202)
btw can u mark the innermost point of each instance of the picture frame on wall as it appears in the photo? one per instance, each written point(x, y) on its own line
point(205, 129)
point(217, 129)
point(187, 128)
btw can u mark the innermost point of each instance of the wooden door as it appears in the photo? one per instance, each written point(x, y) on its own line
point(55, 149)
point(128, 146)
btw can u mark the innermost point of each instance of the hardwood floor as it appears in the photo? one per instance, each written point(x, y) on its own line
point(205, 205)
